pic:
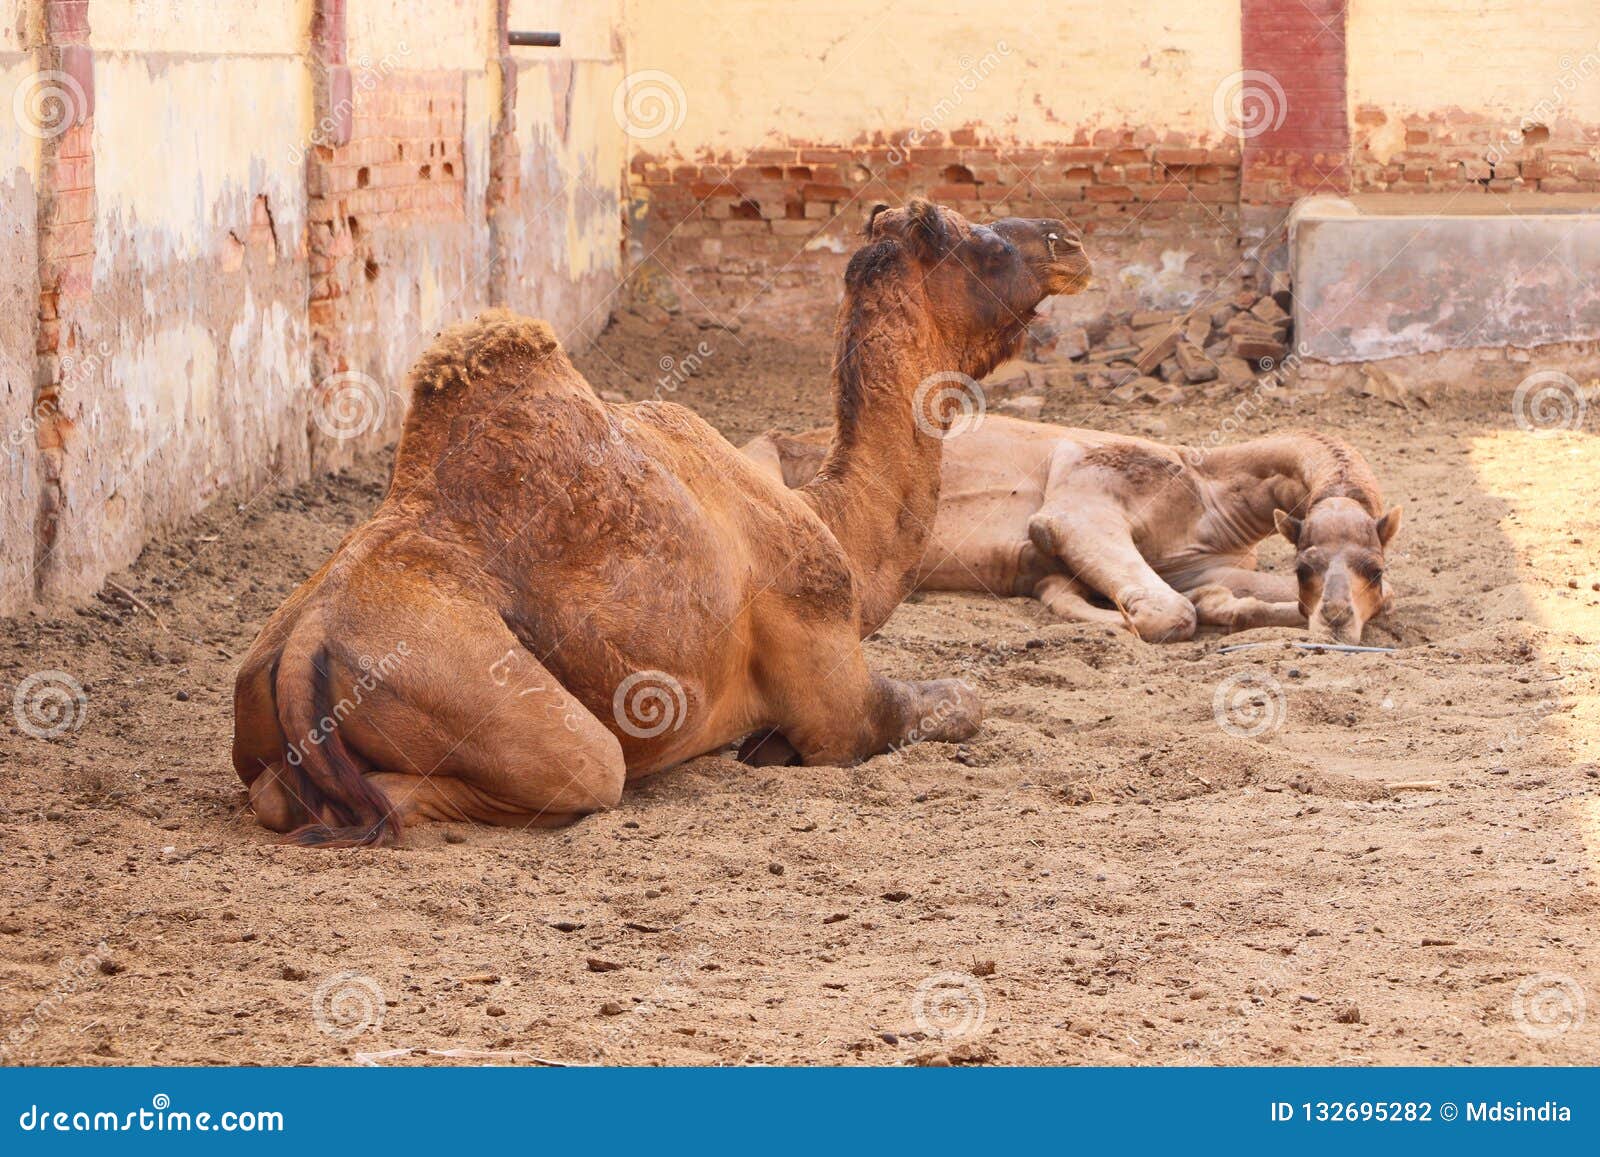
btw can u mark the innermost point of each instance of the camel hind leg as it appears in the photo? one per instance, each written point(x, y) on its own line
point(1065, 599)
point(456, 720)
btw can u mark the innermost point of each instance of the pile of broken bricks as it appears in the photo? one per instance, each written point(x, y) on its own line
point(1216, 348)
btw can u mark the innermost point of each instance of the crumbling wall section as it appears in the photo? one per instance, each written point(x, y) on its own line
point(398, 178)
point(181, 344)
point(1475, 96)
point(19, 313)
point(232, 227)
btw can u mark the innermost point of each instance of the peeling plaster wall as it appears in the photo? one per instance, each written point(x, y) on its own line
point(19, 313)
point(190, 357)
point(562, 233)
point(1474, 96)
point(200, 255)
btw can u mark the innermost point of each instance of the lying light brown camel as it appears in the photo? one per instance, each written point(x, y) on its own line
point(1167, 535)
point(559, 595)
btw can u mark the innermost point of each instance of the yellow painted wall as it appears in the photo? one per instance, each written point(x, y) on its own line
point(258, 28)
point(1503, 58)
point(432, 33)
point(757, 72)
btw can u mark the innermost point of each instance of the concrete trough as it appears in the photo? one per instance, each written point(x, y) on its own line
point(1384, 275)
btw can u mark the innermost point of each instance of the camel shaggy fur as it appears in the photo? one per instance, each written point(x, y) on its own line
point(1165, 536)
point(559, 595)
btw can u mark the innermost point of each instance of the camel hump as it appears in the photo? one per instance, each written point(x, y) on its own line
point(496, 347)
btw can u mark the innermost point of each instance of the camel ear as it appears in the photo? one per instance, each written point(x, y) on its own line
point(1288, 526)
point(872, 218)
point(1389, 526)
point(925, 229)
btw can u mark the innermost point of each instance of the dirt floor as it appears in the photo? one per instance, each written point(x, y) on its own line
point(1104, 875)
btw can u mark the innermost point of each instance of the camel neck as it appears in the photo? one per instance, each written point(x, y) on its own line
point(1290, 472)
point(878, 488)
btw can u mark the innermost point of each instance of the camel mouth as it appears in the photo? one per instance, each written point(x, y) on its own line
point(1062, 279)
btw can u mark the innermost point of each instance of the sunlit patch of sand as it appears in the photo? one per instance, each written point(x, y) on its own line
point(1551, 487)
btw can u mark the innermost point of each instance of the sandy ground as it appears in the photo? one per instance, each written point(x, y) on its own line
point(1104, 875)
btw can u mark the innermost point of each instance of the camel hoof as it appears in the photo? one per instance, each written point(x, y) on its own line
point(951, 712)
point(1164, 621)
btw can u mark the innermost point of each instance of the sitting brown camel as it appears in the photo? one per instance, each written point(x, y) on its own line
point(568, 594)
point(1167, 535)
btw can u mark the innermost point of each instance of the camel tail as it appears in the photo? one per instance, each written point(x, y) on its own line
point(327, 778)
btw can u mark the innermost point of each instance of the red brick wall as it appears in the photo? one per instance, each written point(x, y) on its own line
point(66, 213)
point(728, 234)
point(386, 183)
point(1461, 152)
point(1296, 51)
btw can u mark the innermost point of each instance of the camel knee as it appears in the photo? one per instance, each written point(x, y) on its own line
point(596, 775)
point(1045, 532)
point(1162, 619)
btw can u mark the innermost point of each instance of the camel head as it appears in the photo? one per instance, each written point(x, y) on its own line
point(978, 285)
point(1339, 565)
